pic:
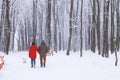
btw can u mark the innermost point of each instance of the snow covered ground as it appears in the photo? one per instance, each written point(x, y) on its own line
point(61, 67)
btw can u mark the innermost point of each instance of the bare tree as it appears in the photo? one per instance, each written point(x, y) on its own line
point(112, 27)
point(116, 40)
point(2, 23)
point(34, 19)
point(70, 28)
point(105, 29)
point(93, 39)
point(8, 27)
point(55, 14)
point(98, 27)
point(48, 24)
point(81, 39)
point(89, 27)
point(115, 48)
point(118, 25)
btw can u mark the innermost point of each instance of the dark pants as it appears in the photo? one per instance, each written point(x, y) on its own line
point(43, 60)
point(33, 62)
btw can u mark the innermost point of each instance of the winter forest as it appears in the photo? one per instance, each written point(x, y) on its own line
point(66, 25)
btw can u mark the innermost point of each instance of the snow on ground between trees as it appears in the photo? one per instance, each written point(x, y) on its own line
point(61, 67)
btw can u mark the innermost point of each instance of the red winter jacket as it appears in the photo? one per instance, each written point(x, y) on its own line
point(33, 52)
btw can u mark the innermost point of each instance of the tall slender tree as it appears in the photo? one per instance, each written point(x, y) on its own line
point(70, 28)
point(81, 38)
point(118, 24)
point(48, 25)
point(93, 39)
point(89, 26)
point(8, 26)
point(105, 52)
point(112, 27)
point(2, 23)
point(34, 19)
point(98, 27)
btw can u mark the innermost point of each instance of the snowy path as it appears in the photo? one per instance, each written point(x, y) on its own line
point(60, 67)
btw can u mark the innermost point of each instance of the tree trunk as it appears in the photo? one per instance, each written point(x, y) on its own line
point(49, 23)
point(2, 26)
point(115, 49)
point(60, 41)
point(118, 25)
point(34, 20)
point(93, 42)
point(55, 25)
point(8, 26)
point(89, 33)
point(70, 29)
point(112, 27)
point(116, 62)
point(98, 28)
point(105, 29)
point(81, 39)
point(13, 28)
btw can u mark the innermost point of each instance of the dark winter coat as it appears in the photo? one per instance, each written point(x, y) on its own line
point(43, 49)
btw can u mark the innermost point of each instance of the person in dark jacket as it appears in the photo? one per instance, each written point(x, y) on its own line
point(32, 54)
point(42, 50)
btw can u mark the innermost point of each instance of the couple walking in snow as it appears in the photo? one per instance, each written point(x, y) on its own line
point(42, 50)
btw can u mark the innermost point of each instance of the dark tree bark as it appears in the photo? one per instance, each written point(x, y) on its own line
point(93, 39)
point(70, 28)
point(105, 29)
point(60, 41)
point(34, 20)
point(115, 49)
point(112, 27)
point(49, 23)
point(2, 23)
point(118, 25)
point(98, 27)
point(116, 62)
point(8, 26)
point(81, 39)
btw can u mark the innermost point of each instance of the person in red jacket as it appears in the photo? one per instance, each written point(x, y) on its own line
point(32, 54)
